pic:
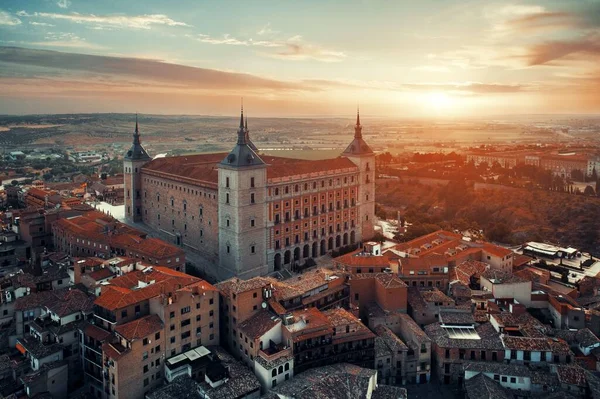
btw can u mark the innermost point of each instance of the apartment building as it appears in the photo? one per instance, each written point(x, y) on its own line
point(149, 315)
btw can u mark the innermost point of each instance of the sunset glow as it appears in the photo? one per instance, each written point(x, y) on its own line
point(396, 58)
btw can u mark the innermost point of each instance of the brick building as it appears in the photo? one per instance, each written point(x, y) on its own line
point(254, 214)
point(142, 319)
point(428, 261)
point(95, 234)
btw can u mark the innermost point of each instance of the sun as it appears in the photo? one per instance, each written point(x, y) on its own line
point(439, 101)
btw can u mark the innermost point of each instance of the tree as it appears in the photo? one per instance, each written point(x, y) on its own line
point(378, 237)
point(589, 190)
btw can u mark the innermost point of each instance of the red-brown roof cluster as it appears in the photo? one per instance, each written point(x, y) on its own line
point(98, 227)
point(202, 168)
point(140, 328)
point(468, 269)
point(257, 325)
point(125, 290)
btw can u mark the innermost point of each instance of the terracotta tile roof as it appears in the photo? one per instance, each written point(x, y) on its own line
point(520, 260)
point(236, 286)
point(489, 338)
point(98, 227)
point(456, 317)
point(390, 339)
point(257, 325)
point(140, 328)
point(442, 235)
point(340, 317)
point(496, 250)
point(361, 258)
point(483, 387)
point(501, 277)
point(306, 282)
point(200, 169)
point(337, 381)
point(467, 269)
point(435, 295)
point(554, 345)
point(96, 332)
point(125, 290)
point(279, 167)
point(389, 280)
point(571, 375)
point(585, 337)
point(63, 302)
point(101, 274)
point(69, 301)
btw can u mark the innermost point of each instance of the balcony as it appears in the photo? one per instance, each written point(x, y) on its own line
point(275, 352)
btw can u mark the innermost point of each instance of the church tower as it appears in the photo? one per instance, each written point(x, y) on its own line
point(361, 154)
point(242, 210)
point(133, 161)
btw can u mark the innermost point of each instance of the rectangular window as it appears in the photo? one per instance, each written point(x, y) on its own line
point(252, 182)
point(185, 322)
point(185, 310)
point(185, 335)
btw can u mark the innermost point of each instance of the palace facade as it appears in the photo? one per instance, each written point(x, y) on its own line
point(253, 214)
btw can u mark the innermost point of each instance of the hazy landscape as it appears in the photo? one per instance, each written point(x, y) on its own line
point(178, 134)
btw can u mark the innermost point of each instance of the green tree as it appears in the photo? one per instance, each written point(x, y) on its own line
point(589, 190)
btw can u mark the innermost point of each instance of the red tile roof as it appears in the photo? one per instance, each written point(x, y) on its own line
point(122, 292)
point(202, 168)
point(288, 167)
point(96, 332)
point(360, 258)
point(259, 324)
point(140, 328)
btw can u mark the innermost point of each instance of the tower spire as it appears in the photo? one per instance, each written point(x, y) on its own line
point(241, 131)
point(358, 127)
point(242, 115)
point(136, 134)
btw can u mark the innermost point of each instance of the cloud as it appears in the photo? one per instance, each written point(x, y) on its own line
point(40, 24)
point(229, 40)
point(300, 51)
point(63, 3)
point(292, 48)
point(547, 52)
point(140, 72)
point(266, 30)
point(66, 40)
point(145, 21)
point(8, 19)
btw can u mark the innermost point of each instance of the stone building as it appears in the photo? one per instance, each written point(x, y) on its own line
point(254, 214)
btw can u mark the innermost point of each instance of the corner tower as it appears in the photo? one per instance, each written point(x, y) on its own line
point(242, 211)
point(133, 161)
point(361, 154)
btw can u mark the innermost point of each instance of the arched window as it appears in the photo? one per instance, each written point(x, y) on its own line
point(296, 188)
point(184, 205)
point(287, 190)
point(172, 201)
point(274, 373)
point(287, 366)
point(276, 191)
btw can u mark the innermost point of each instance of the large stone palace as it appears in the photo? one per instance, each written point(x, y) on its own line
point(253, 214)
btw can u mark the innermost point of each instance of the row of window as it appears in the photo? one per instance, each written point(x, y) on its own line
point(180, 188)
point(338, 182)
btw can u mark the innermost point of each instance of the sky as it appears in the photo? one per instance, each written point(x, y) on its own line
point(393, 58)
